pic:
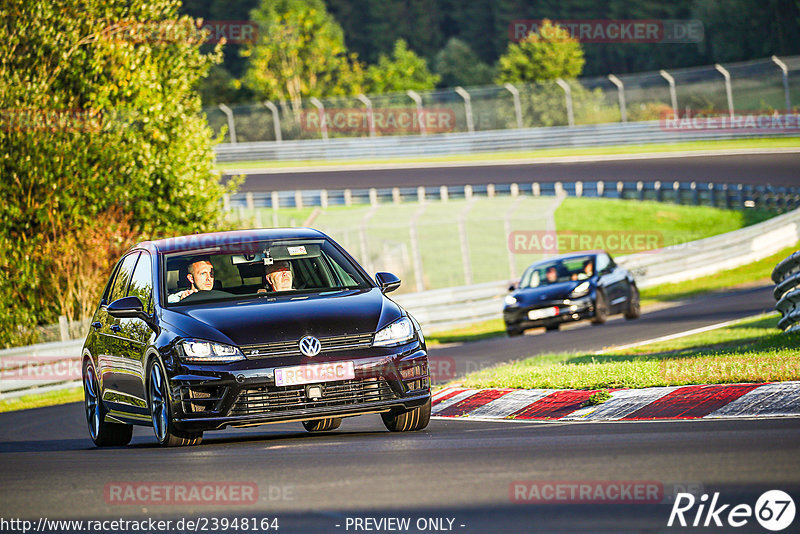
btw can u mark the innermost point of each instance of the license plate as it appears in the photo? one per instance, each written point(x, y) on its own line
point(542, 313)
point(310, 374)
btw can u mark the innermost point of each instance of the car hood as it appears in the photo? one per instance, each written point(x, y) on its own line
point(264, 320)
point(532, 295)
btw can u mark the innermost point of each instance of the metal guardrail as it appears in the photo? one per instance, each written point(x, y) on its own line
point(56, 365)
point(786, 276)
point(476, 142)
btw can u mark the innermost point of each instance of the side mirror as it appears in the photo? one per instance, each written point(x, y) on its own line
point(126, 308)
point(387, 282)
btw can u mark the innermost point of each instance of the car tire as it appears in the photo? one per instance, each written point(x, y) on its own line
point(322, 425)
point(633, 310)
point(159, 401)
point(600, 308)
point(103, 434)
point(408, 420)
point(551, 327)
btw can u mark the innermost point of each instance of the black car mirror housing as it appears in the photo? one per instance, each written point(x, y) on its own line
point(387, 282)
point(129, 307)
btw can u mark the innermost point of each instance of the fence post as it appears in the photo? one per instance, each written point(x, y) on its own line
point(323, 120)
point(370, 115)
point(231, 126)
point(695, 194)
point(640, 190)
point(323, 199)
point(63, 328)
point(536, 189)
point(568, 96)
point(396, 195)
point(785, 72)
point(467, 106)
point(421, 194)
point(467, 192)
point(490, 190)
point(672, 94)
point(578, 188)
point(276, 121)
point(413, 95)
point(348, 197)
point(728, 91)
point(676, 186)
point(657, 187)
point(443, 194)
point(249, 200)
point(373, 196)
point(517, 106)
point(712, 195)
point(601, 188)
point(621, 95)
point(298, 199)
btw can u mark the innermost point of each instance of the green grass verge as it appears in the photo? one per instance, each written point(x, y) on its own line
point(750, 351)
point(542, 153)
point(38, 400)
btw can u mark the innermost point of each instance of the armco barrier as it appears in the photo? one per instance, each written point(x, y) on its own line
point(786, 276)
point(442, 308)
point(632, 133)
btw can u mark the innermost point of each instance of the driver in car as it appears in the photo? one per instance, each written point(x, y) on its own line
point(201, 278)
point(279, 276)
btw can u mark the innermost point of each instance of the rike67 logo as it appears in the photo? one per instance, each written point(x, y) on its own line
point(774, 510)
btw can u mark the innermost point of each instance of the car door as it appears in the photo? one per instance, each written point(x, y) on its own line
point(135, 336)
point(110, 359)
point(613, 282)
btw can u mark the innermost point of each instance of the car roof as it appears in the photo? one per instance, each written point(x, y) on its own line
point(569, 256)
point(203, 241)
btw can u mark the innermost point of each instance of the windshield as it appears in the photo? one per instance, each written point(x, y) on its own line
point(556, 271)
point(253, 270)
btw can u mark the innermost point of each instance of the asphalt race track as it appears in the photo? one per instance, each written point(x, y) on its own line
point(467, 472)
point(780, 169)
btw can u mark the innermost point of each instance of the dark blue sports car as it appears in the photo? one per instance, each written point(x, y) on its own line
point(571, 287)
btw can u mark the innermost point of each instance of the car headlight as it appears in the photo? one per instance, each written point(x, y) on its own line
point(580, 290)
point(510, 300)
point(396, 333)
point(209, 352)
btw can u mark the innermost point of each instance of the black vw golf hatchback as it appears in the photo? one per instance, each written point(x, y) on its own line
point(244, 328)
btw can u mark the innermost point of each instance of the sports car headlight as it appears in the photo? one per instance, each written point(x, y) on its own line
point(580, 290)
point(396, 333)
point(209, 352)
point(510, 300)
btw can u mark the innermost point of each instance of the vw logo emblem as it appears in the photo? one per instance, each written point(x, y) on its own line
point(310, 346)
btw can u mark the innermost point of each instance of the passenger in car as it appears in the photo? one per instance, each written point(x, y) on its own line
point(588, 270)
point(279, 276)
point(200, 276)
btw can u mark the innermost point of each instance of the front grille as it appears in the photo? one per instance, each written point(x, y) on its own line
point(291, 348)
point(271, 399)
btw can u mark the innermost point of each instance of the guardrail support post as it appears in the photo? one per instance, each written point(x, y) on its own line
point(728, 91)
point(601, 188)
point(676, 186)
point(276, 121)
point(63, 328)
point(298, 199)
point(231, 126)
point(712, 195)
point(396, 195)
point(370, 115)
point(467, 106)
point(413, 95)
point(785, 72)
point(248, 197)
point(467, 192)
point(657, 187)
point(621, 94)
point(536, 189)
point(517, 106)
point(323, 199)
point(578, 188)
point(640, 190)
point(695, 194)
point(673, 95)
point(443, 194)
point(568, 96)
point(490, 190)
point(323, 120)
point(373, 196)
point(348, 197)
point(421, 195)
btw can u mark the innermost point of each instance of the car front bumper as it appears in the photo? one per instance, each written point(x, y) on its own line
point(517, 317)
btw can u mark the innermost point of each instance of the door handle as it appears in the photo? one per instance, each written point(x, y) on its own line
point(115, 328)
point(97, 325)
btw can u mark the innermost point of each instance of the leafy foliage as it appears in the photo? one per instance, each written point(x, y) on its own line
point(457, 64)
point(552, 53)
point(100, 126)
point(402, 71)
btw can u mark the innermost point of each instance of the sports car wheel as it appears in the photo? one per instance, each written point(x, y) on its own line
point(600, 308)
point(161, 411)
point(408, 420)
point(322, 425)
point(633, 309)
point(103, 434)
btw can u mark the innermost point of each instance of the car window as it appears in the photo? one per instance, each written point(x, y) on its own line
point(555, 271)
point(603, 262)
point(142, 282)
point(254, 270)
point(120, 288)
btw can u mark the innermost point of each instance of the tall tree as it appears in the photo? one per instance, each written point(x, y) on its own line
point(545, 55)
point(402, 71)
